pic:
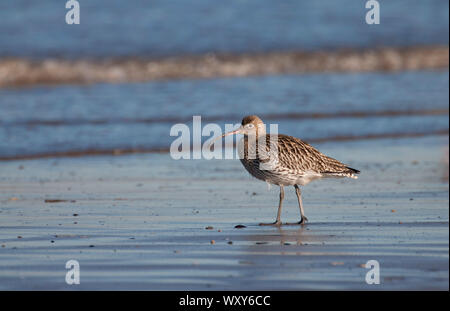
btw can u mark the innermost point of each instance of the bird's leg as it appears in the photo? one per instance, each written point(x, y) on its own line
point(278, 221)
point(300, 205)
point(303, 219)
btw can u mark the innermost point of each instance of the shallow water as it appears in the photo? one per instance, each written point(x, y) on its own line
point(47, 120)
point(159, 28)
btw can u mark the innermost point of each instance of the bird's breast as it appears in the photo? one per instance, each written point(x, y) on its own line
point(261, 161)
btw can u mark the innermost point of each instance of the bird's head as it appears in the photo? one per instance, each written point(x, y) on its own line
point(250, 126)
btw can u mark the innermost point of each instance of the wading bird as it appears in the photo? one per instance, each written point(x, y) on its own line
point(284, 161)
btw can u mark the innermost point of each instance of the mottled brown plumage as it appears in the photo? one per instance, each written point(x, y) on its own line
point(284, 160)
point(297, 159)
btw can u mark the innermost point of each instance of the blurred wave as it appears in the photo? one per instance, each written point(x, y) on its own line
point(24, 72)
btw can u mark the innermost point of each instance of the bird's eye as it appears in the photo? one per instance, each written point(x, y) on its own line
point(249, 126)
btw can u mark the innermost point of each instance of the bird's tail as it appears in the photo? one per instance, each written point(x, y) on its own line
point(348, 172)
point(353, 172)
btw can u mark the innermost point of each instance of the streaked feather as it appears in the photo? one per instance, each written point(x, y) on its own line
point(286, 160)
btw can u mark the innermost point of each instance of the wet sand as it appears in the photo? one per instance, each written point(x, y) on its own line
point(139, 222)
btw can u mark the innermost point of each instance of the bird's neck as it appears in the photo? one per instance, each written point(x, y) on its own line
point(256, 136)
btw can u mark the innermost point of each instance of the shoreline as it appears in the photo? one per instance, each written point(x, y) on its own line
point(269, 117)
point(162, 150)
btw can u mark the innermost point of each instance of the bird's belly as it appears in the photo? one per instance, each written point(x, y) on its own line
point(305, 179)
point(270, 169)
point(277, 176)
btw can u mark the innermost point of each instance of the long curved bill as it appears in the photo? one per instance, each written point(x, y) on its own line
point(238, 131)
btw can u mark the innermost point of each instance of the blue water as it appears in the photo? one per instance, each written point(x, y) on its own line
point(106, 116)
point(172, 27)
point(64, 118)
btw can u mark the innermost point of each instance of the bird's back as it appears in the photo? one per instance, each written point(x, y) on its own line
point(288, 160)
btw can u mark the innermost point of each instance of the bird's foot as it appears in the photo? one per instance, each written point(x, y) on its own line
point(301, 222)
point(276, 223)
